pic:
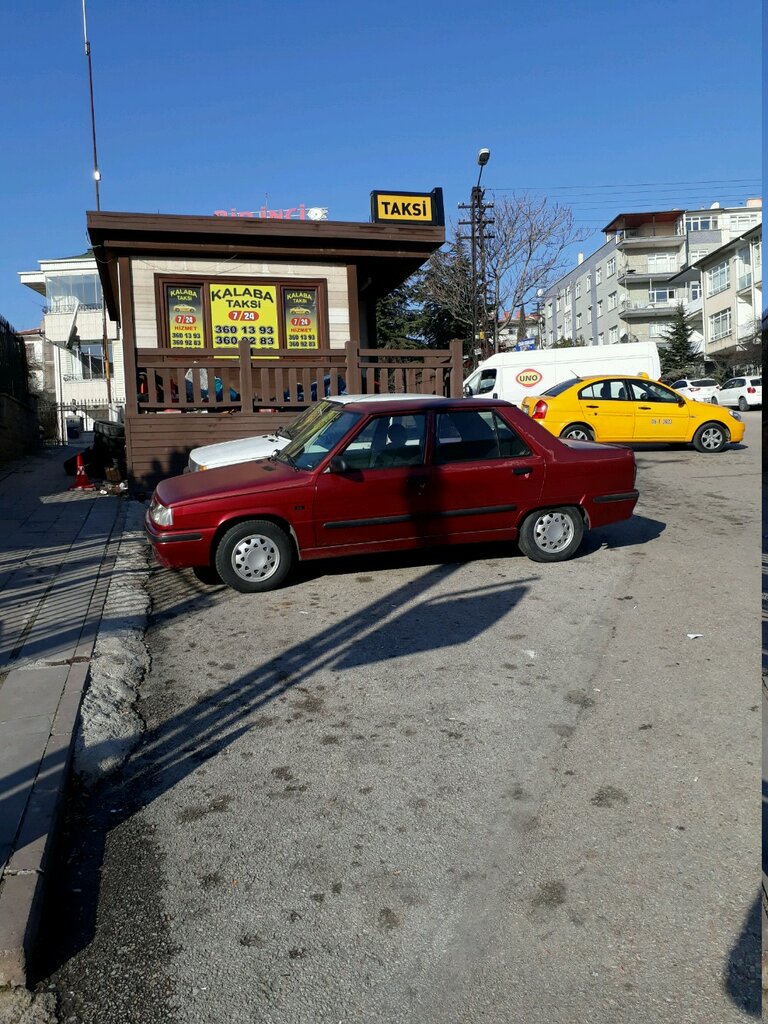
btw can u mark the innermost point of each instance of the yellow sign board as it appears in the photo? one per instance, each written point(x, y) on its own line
point(409, 207)
point(244, 311)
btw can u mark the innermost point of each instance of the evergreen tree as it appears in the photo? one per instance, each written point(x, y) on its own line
point(678, 356)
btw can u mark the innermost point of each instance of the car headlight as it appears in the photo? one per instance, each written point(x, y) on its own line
point(735, 415)
point(161, 515)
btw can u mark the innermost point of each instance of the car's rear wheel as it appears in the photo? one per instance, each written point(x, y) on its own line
point(743, 404)
point(713, 400)
point(254, 556)
point(551, 534)
point(710, 437)
point(577, 432)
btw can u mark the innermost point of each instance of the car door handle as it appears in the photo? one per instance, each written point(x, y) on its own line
point(522, 470)
point(643, 407)
point(593, 406)
point(419, 482)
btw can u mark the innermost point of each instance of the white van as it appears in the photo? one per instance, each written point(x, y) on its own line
point(514, 375)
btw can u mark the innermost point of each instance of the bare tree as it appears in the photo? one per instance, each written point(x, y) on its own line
point(524, 251)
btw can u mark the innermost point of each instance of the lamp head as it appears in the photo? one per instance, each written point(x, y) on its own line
point(483, 157)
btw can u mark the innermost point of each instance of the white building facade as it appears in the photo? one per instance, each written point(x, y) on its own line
point(73, 334)
point(625, 290)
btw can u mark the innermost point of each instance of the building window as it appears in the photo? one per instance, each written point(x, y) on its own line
point(557, 304)
point(661, 295)
point(578, 321)
point(613, 335)
point(598, 275)
point(599, 307)
point(658, 328)
point(695, 290)
point(568, 325)
point(757, 254)
point(718, 278)
point(741, 221)
point(589, 314)
point(613, 300)
point(610, 267)
point(568, 294)
point(701, 222)
point(720, 325)
point(577, 289)
point(600, 338)
point(589, 282)
point(697, 254)
point(661, 263)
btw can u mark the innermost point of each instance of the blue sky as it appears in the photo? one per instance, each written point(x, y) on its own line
point(611, 106)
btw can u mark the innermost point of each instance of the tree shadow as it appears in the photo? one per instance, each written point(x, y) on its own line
point(742, 969)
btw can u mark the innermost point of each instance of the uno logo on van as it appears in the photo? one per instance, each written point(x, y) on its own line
point(528, 378)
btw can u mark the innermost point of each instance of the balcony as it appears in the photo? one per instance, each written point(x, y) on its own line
point(634, 241)
point(643, 274)
point(640, 310)
point(744, 281)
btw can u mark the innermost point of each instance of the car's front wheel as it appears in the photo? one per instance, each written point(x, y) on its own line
point(254, 556)
point(551, 534)
point(713, 400)
point(577, 432)
point(710, 437)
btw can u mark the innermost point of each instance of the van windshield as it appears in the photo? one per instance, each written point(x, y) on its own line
point(558, 389)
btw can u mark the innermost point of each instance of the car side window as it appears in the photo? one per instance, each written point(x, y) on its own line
point(487, 382)
point(679, 384)
point(604, 391)
point(739, 382)
point(387, 442)
point(474, 436)
point(650, 391)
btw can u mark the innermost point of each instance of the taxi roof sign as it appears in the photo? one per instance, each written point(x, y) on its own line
point(408, 207)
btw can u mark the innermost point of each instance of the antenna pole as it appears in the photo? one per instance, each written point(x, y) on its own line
point(96, 172)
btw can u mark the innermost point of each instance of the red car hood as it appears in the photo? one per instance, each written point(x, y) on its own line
point(228, 481)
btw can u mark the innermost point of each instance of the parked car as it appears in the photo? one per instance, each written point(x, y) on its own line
point(244, 449)
point(740, 392)
point(700, 390)
point(632, 409)
point(377, 477)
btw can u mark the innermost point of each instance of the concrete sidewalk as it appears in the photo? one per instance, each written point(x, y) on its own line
point(57, 555)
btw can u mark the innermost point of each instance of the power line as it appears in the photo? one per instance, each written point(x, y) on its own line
point(636, 184)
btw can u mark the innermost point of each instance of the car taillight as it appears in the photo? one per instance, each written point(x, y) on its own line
point(751, 391)
point(693, 389)
point(540, 410)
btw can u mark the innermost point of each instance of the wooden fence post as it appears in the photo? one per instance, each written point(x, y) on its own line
point(246, 375)
point(353, 377)
point(457, 368)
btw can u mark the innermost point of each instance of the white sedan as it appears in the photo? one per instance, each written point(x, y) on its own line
point(699, 390)
point(245, 449)
point(740, 392)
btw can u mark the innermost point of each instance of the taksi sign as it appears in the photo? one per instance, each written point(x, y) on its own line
point(408, 207)
point(528, 378)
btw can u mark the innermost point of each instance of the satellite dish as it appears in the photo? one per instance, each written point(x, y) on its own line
point(715, 206)
point(72, 337)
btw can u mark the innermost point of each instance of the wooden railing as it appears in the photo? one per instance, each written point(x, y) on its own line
point(204, 380)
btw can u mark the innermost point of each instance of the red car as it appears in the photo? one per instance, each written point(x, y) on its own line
point(390, 476)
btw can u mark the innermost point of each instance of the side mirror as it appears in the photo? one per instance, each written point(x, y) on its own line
point(681, 401)
point(467, 391)
point(338, 465)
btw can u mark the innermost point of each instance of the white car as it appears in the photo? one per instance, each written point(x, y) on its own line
point(700, 390)
point(245, 449)
point(740, 392)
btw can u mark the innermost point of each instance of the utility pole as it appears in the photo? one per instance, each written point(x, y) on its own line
point(478, 223)
point(96, 180)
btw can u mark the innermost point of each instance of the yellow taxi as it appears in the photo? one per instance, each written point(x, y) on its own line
point(632, 409)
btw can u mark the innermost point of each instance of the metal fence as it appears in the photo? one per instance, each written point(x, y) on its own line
point(14, 371)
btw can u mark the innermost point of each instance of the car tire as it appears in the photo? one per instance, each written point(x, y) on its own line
point(254, 556)
point(713, 400)
point(710, 437)
point(551, 534)
point(577, 432)
point(743, 404)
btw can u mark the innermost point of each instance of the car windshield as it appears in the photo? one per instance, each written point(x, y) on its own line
point(558, 389)
point(705, 382)
point(305, 421)
point(310, 447)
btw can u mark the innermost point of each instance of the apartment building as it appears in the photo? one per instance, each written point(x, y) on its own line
point(625, 290)
point(70, 345)
point(732, 294)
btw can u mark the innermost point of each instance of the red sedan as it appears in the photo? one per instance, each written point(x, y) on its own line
point(391, 476)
